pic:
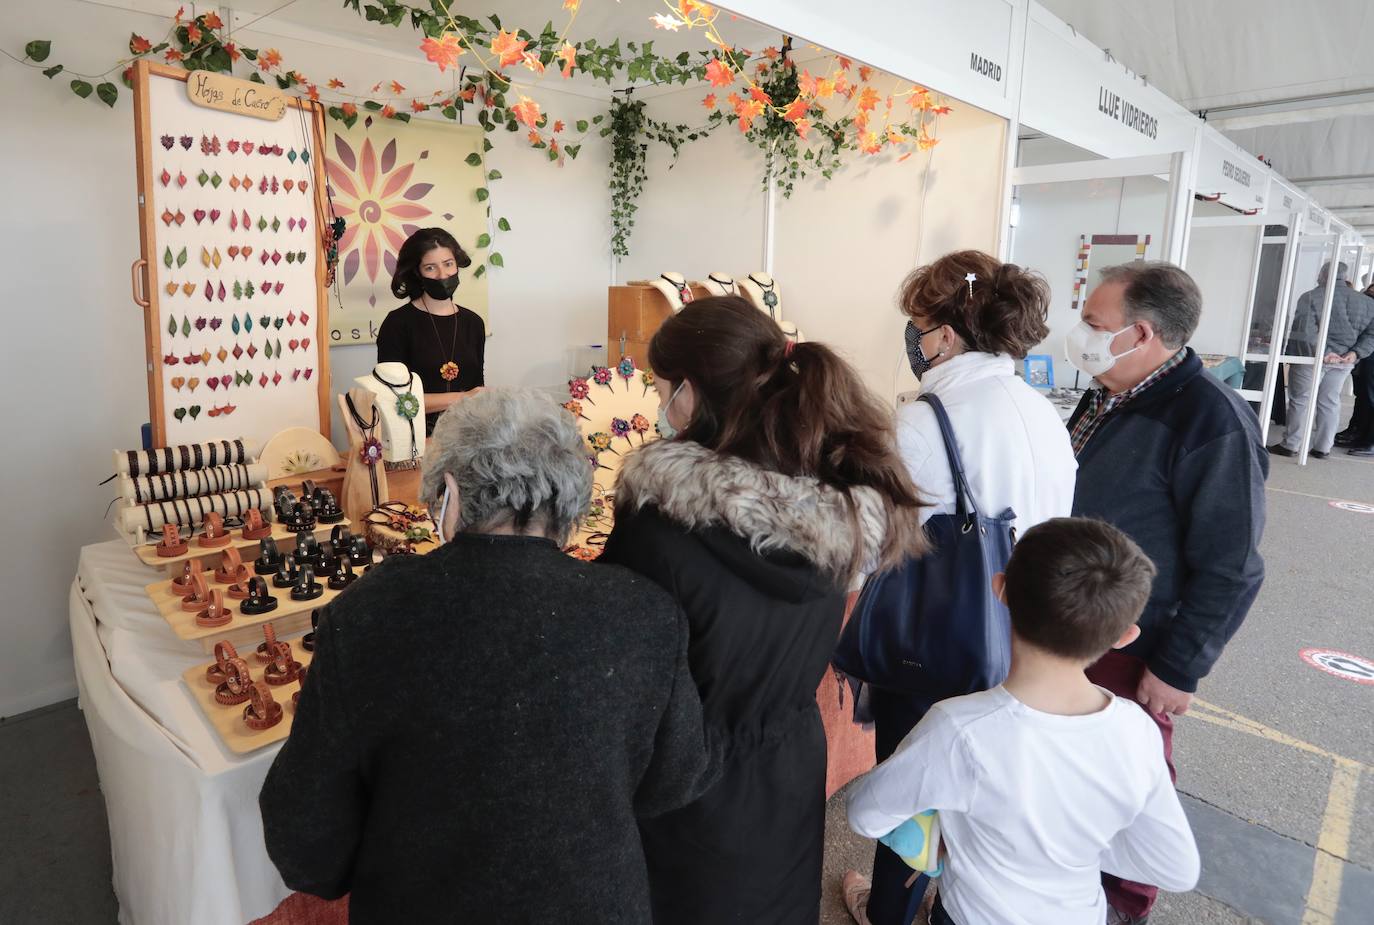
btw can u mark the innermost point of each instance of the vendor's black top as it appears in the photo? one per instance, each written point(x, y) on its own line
point(408, 336)
point(757, 561)
point(480, 731)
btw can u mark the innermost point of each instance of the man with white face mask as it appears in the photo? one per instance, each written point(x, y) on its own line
point(1171, 456)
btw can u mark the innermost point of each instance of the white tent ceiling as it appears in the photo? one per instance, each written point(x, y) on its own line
point(1291, 81)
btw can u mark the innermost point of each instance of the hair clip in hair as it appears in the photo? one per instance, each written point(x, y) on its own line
point(970, 278)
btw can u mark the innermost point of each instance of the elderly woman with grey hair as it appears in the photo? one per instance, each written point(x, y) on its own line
point(483, 727)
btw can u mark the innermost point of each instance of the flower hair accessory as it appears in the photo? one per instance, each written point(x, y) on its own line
point(574, 408)
point(371, 452)
point(621, 428)
point(640, 425)
point(626, 370)
point(579, 390)
point(648, 379)
point(602, 376)
point(601, 442)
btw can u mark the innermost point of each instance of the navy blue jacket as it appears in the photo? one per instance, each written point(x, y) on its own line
point(1180, 469)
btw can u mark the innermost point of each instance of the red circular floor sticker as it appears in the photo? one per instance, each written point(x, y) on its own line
point(1341, 664)
point(1354, 507)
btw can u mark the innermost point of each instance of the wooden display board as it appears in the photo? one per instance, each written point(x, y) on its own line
point(230, 236)
point(633, 315)
point(228, 721)
point(209, 556)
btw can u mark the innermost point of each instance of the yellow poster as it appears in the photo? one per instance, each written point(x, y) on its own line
point(387, 179)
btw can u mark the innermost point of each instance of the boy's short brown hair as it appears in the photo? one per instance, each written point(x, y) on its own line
point(1075, 585)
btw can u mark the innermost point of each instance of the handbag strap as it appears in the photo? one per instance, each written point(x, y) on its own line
point(968, 511)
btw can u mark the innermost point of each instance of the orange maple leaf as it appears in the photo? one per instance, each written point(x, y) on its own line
point(861, 121)
point(138, 45)
point(796, 109)
point(868, 99)
point(526, 111)
point(719, 73)
point(748, 112)
point(895, 137)
point(558, 126)
point(396, 88)
point(532, 62)
point(925, 142)
point(173, 55)
point(771, 53)
point(181, 11)
point(193, 33)
point(469, 94)
point(349, 109)
point(734, 100)
point(335, 83)
point(803, 127)
point(212, 21)
point(568, 55)
point(825, 88)
point(508, 47)
point(709, 101)
point(869, 143)
point(941, 110)
point(841, 82)
point(234, 53)
point(807, 84)
point(534, 138)
point(313, 92)
point(417, 106)
point(377, 86)
point(845, 63)
point(865, 72)
point(443, 51)
point(388, 111)
point(758, 94)
point(269, 59)
point(690, 8)
point(571, 5)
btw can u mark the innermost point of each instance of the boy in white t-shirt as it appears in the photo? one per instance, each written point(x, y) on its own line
point(1044, 782)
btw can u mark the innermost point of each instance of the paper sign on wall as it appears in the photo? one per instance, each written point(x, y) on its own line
point(241, 97)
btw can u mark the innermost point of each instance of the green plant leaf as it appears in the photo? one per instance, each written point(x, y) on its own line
point(182, 258)
point(108, 93)
point(482, 194)
point(53, 71)
point(81, 88)
point(473, 160)
point(372, 106)
point(572, 150)
point(38, 49)
point(503, 224)
point(496, 260)
point(256, 78)
point(484, 240)
point(493, 175)
point(582, 125)
point(450, 112)
point(402, 117)
point(479, 271)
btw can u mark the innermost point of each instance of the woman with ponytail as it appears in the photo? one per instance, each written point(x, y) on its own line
point(970, 319)
point(777, 483)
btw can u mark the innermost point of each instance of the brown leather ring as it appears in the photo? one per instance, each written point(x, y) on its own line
point(229, 563)
point(224, 650)
point(181, 585)
point(234, 689)
point(199, 597)
point(216, 613)
point(264, 652)
point(262, 711)
point(283, 669)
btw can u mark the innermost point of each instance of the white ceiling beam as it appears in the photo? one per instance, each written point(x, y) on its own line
point(1291, 110)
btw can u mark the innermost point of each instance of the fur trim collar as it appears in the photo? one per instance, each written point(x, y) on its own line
point(698, 488)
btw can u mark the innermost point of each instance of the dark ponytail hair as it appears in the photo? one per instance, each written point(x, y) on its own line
point(797, 409)
point(405, 281)
point(1005, 314)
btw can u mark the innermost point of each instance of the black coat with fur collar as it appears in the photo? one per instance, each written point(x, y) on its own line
point(757, 560)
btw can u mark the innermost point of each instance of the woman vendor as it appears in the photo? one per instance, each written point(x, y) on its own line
point(434, 336)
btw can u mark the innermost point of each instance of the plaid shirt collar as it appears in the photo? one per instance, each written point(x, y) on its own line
point(1101, 403)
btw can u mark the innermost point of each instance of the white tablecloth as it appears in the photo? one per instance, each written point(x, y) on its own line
point(185, 832)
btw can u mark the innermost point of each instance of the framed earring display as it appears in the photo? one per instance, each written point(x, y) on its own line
point(231, 279)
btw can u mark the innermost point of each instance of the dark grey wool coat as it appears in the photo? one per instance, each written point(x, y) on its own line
point(479, 735)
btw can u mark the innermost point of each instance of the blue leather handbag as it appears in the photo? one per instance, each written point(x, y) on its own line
point(931, 627)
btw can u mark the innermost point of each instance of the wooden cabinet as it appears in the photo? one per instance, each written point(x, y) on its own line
point(633, 314)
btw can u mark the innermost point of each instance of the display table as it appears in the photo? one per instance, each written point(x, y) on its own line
point(186, 837)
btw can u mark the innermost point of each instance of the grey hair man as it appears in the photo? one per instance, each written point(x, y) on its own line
point(1172, 457)
point(1349, 339)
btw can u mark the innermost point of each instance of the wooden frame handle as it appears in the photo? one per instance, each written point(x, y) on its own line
point(134, 278)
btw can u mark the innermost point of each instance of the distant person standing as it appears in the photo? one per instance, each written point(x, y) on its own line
point(1358, 436)
point(1349, 338)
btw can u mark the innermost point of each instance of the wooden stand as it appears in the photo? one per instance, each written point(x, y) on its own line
point(286, 542)
point(228, 721)
point(633, 314)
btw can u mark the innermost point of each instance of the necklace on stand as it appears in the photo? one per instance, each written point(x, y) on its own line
point(770, 298)
point(407, 406)
point(371, 452)
point(449, 371)
point(684, 291)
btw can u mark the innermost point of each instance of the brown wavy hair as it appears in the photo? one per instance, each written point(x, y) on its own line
point(800, 413)
point(1006, 313)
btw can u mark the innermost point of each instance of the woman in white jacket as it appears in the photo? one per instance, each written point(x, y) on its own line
point(970, 320)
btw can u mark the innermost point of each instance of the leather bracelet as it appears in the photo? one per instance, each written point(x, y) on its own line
point(224, 651)
point(264, 652)
point(216, 613)
point(229, 563)
point(283, 668)
point(199, 597)
point(262, 711)
point(234, 689)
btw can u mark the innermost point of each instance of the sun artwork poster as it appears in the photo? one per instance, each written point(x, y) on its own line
point(386, 180)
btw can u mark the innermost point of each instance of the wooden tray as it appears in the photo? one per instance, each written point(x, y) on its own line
point(289, 618)
point(228, 721)
point(286, 542)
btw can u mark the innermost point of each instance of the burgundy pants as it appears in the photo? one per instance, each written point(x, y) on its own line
point(1121, 675)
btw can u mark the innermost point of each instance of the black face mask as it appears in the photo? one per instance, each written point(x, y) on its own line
point(439, 288)
point(920, 363)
